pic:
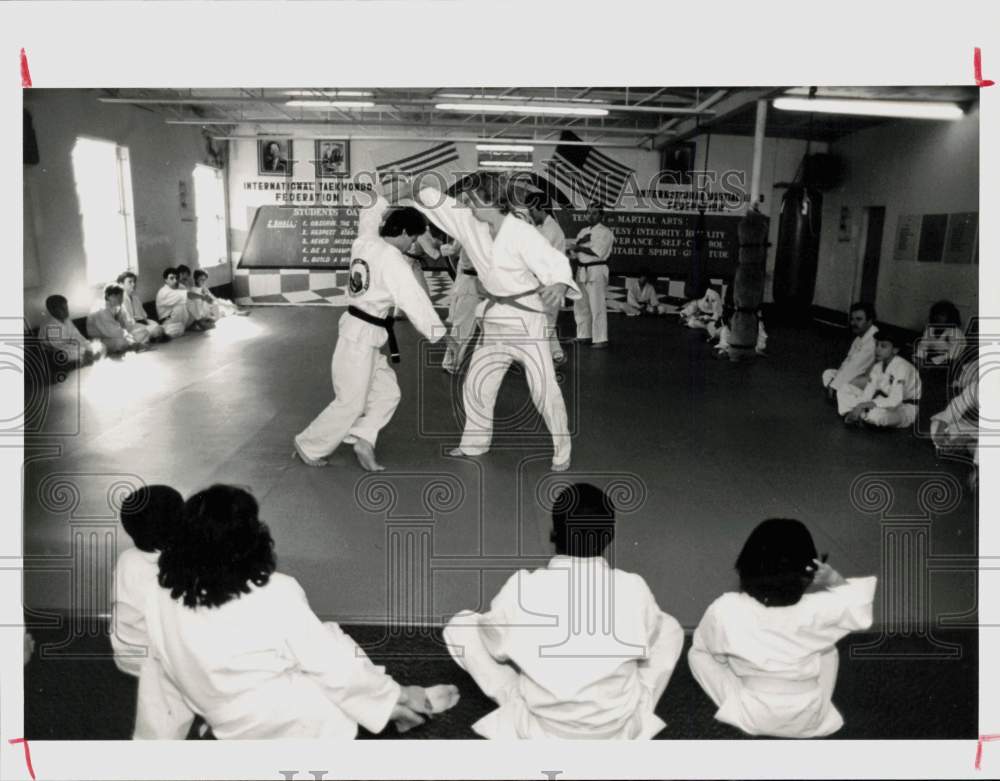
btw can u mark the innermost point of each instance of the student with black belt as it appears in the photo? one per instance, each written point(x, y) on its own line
point(365, 387)
point(592, 250)
point(892, 394)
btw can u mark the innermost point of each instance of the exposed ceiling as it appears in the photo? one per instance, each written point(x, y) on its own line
point(648, 117)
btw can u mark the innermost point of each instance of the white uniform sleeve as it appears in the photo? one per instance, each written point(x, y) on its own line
point(448, 214)
point(370, 217)
point(549, 265)
point(494, 624)
point(359, 688)
point(709, 636)
point(871, 387)
point(412, 299)
point(839, 610)
point(128, 626)
point(601, 243)
point(855, 365)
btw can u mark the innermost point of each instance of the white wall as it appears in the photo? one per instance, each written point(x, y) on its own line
point(909, 167)
point(161, 156)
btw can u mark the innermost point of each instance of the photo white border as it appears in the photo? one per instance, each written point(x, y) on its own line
point(169, 44)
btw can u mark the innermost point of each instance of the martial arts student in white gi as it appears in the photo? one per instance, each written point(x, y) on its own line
point(466, 295)
point(767, 654)
point(641, 297)
point(58, 334)
point(955, 429)
point(542, 218)
point(861, 356)
point(112, 326)
point(592, 248)
point(239, 644)
point(576, 649)
point(723, 333)
point(132, 306)
point(215, 308)
point(148, 515)
point(198, 304)
point(522, 278)
point(704, 313)
point(365, 387)
point(892, 394)
point(172, 305)
point(943, 340)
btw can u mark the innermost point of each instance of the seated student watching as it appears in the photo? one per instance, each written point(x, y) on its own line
point(172, 305)
point(110, 324)
point(724, 334)
point(767, 655)
point(551, 676)
point(891, 397)
point(59, 335)
point(239, 644)
point(133, 308)
point(197, 303)
point(860, 357)
point(943, 341)
point(216, 308)
point(704, 313)
point(641, 297)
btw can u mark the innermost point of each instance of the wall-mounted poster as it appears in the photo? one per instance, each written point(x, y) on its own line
point(932, 230)
point(274, 157)
point(960, 241)
point(333, 158)
point(907, 235)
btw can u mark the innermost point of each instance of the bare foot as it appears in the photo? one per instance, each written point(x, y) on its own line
point(459, 453)
point(297, 453)
point(560, 467)
point(366, 456)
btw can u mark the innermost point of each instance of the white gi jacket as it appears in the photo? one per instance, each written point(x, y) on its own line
point(553, 233)
point(601, 241)
point(264, 666)
point(893, 384)
point(168, 299)
point(106, 326)
point(579, 631)
point(519, 259)
point(859, 359)
point(134, 583)
point(774, 653)
point(132, 306)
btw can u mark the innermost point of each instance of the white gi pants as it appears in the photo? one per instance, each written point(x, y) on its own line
point(143, 332)
point(849, 396)
point(465, 297)
point(859, 382)
point(499, 681)
point(551, 317)
point(763, 707)
point(366, 395)
point(510, 334)
point(591, 309)
point(177, 321)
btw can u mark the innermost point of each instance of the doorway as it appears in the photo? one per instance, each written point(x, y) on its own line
point(872, 254)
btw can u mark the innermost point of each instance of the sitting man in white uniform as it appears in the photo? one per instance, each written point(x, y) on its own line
point(113, 327)
point(576, 649)
point(60, 336)
point(365, 387)
point(541, 216)
point(641, 297)
point(523, 277)
point(136, 312)
point(892, 394)
point(172, 305)
point(592, 249)
point(854, 368)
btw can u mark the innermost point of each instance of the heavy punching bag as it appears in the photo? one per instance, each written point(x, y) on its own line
point(797, 252)
point(748, 284)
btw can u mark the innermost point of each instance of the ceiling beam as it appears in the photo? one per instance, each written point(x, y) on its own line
point(723, 109)
point(433, 137)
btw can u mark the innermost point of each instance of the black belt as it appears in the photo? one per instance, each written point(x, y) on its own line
point(581, 264)
point(511, 301)
point(384, 322)
point(470, 271)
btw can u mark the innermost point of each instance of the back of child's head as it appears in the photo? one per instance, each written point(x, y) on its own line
point(56, 305)
point(583, 521)
point(150, 515)
point(776, 563)
point(944, 313)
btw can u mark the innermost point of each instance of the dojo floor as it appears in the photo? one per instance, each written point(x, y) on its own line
point(695, 450)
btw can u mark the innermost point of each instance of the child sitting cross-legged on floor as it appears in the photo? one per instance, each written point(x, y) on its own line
point(767, 654)
point(576, 649)
point(892, 394)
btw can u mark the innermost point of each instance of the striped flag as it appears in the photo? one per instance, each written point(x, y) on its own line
point(442, 158)
point(587, 173)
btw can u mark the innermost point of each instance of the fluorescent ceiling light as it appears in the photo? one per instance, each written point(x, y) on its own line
point(906, 109)
point(496, 107)
point(321, 93)
point(505, 164)
point(504, 148)
point(470, 96)
point(330, 103)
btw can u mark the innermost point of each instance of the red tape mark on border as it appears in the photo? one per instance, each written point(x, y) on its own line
point(26, 74)
point(977, 65)
point(27, 751)
point(979, 748)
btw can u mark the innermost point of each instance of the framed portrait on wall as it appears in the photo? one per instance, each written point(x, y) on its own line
point(333, 158)
point(274, 157)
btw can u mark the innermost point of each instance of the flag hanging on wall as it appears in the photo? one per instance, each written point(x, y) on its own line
point(442, 158)
point(587, 173)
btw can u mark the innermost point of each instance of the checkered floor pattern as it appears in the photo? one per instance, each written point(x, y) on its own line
point(329, 288)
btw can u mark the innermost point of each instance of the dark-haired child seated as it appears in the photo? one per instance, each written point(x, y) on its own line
point(767, 654)
point(239, 644)
point(576, 649)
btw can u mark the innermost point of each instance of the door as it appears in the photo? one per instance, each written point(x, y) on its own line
point(874, 220)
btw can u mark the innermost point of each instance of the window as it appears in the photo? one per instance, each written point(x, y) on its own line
point(210, 211)
point(104, 190)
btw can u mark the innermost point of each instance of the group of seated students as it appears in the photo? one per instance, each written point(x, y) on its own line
point(876, 386)
point(211, 629)
point(119, 323)
point(709, 313)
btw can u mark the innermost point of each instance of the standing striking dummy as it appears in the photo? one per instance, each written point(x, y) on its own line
point(522, 276)
point(748, 285)
point(553, 233)
point(592, 249)
point(365, 387)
